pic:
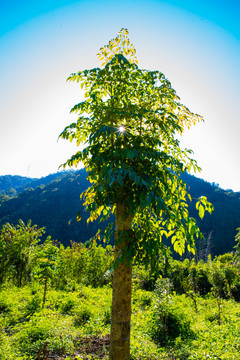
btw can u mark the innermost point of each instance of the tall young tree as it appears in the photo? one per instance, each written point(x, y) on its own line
point(128, 124)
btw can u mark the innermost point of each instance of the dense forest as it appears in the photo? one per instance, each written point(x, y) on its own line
point(54, 201)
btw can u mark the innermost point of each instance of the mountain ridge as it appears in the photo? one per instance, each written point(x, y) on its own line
point(54, 201)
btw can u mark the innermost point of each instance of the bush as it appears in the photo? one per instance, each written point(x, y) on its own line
point(142, 298)
point(168, 321)
point(107, 316)
point(6, 350)
point(143, 278)
point(4, 306)
point(178, 273)
point(32, 305)
point(203, 285)
point(42, 335)
point(236, 292)
point(67, 305)
point(83, 315)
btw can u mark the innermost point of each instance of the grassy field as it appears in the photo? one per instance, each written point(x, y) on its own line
point(75, 324)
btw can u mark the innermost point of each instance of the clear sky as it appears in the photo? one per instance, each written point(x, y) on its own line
point(196, 44)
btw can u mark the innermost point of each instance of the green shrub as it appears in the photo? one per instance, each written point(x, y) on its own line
point(62, 301)
point(44, 333)
point(83, 315)
point(142, 298)
point(107, 316)
point(67, 305)
point(168, 321)
point(168, 324)
point(4, 306)
point(17, 304)
point(178, 274)
point(203, 284)
point(143, 278)
point(213, 317)
point(32, 305)
point(6, 350)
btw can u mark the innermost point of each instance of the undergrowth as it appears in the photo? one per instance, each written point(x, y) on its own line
point(76, 325)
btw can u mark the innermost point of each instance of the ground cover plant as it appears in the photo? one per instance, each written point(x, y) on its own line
point(184, 310)
point(75, 324)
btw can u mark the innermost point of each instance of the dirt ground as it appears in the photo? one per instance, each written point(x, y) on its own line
point(86, 348)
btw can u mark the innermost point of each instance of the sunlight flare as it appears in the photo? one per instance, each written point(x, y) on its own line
point(121, 129)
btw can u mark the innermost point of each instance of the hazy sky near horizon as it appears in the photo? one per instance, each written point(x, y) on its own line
point(196, 44)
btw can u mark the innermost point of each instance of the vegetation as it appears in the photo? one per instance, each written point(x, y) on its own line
point(127, 125)
point(55, 300)
point(175, 314)
point(63, 194)
point(57, 206)
point(12, 185)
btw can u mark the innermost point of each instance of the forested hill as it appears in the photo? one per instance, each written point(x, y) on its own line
point(10, 185)
point(54, 201)
point(221, 225)
point(51, 204)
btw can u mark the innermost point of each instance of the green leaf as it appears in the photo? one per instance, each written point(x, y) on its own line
point(140, 167)
point(201, 211)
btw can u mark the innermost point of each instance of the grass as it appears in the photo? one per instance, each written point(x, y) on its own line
point(76, 325)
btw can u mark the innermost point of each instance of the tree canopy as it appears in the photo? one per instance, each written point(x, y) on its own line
point(128, 124)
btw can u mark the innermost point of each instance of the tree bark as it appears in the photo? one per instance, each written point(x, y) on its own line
point(121, 295)
point(45, 291)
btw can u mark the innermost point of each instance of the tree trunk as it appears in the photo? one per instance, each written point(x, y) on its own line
point(45, 291)
point(121, 296)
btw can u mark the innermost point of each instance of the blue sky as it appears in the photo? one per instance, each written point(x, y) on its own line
point(196, 44)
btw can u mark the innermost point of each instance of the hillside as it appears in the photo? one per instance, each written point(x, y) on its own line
point(13, 182)
point(53, 206)
point(54, 201)
point(220, 227)
point(11, 185)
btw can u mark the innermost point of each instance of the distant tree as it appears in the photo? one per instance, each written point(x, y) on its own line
point(237, 239)
point(217, 279)
point(46, 263)
point(128, 123)
point(17, 245)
